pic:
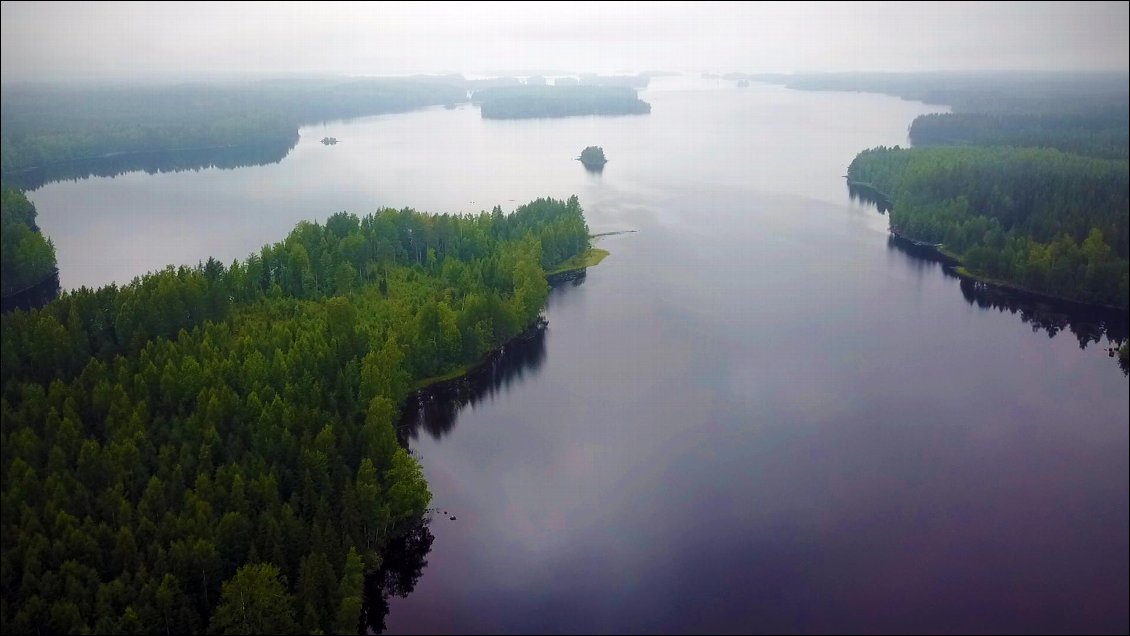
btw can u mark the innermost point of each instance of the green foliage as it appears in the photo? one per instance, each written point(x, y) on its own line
point(45, 124)
point(237, 423)
point(593, 156)
point(26, 256)
point(1102, 135)
point(255, 601)
point(350, 591)
point(1045, 220)
point(519, 102)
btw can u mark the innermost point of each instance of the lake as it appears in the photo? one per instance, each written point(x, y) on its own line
point(757, 415)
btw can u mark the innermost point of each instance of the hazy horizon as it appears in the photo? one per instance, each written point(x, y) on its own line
point(127, 41)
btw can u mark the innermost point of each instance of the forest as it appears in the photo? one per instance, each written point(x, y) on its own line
point(1041, 219)
point(27, 257)
point(44, 124)
point(519, 102)
point(213, 448)
point(1102, 135)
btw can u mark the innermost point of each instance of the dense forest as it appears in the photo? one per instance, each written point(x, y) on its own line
point(520, 102)
point(27, 257)
point(1083, 113)
point(213, 448)
point(1042, 219)
point(1102, 135)
point(42, 125)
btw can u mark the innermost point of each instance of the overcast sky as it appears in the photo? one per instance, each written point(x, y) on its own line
point(135, 40)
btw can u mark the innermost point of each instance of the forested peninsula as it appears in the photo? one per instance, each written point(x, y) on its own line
point(1025, 182)
point(27, 257)
point(1040, 219)
point(45, 124)
point(213, 448)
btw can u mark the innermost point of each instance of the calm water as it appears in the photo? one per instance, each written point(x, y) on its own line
point(756, 415)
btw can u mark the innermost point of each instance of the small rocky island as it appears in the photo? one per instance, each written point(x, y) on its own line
point(329, 141)
point(593, 157)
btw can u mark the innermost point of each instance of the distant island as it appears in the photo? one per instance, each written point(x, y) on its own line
point(522, 102)
point(593, 157)
point(329, 141)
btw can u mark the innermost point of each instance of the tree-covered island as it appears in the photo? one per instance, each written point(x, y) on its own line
point(593, 157)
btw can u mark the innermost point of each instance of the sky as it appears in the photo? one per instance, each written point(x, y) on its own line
point(134, 40)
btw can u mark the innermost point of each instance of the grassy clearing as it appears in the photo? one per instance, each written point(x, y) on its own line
point(590, 258)
point(450, 375)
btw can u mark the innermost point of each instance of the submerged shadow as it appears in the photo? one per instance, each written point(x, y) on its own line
point(153, 163)
point(402, 563)
point(863, 193)
point(33, 297)
point(1088, 324)
point(435, 409)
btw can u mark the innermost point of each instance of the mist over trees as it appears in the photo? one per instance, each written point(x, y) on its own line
point(559, 101)
point(46, 124)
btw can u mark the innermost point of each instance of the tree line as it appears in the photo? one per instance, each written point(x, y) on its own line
point(519, 102)
point(1102, 135)
point(1046, 220)
point(1082, 113)
point(41, 125)
point(27, 257)
point(214, 448)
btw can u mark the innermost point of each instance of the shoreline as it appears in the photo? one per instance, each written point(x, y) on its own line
point(953, 264)
point(135, 153)
point(429, 387)
point(589, 258)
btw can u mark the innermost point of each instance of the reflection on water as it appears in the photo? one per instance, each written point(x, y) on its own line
point(402, 562)
point(435, 409)
point(1089, 325)
point(861, 192)
point(153, 163)
point(33, 297)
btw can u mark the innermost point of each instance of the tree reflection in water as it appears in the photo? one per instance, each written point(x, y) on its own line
point(402, 562)
point(436, 408)
point(1089, 325)
point(155, 162)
